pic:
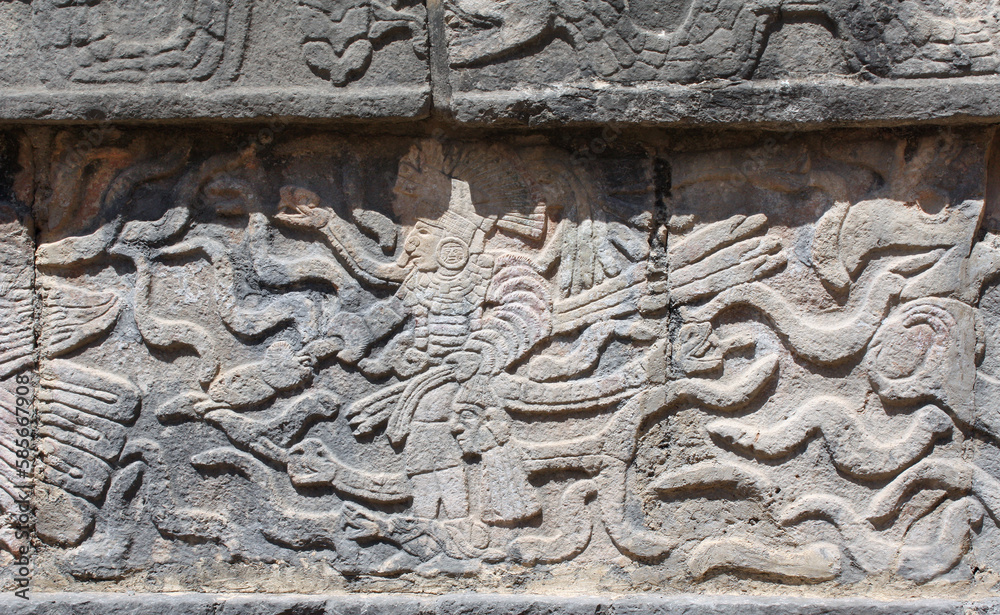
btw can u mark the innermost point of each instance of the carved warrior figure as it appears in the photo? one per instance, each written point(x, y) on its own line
point(517, 355)
point(470, 314)
point(467, 389)
point(455, 348)
point(452, 343)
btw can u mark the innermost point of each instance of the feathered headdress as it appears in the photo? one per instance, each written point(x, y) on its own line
point(499, 195)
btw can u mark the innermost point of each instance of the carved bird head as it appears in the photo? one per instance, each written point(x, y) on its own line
point(310, 463)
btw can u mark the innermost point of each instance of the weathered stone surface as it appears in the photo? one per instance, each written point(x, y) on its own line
point(515, 44)
point(786, 104)
point(212, 58)
point(17, 386)
point(540, 43)
point(618, 362)
point(511, 320)
point(720, 61)
point(696, 62)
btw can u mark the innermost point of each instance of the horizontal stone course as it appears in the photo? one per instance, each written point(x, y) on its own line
point(784, 105)
point(474, 604)
point(719, 62)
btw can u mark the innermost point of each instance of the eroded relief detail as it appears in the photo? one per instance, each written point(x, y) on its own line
point(694, 41)
point(482, 47)
point(17, 358)
point(112, 41)
point(339, 38)
point(422, 358)
point(880, 303)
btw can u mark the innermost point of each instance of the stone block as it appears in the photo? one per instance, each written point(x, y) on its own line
point(232, 59)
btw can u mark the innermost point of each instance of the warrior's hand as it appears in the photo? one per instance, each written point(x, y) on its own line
point(301, 208)
point(359, 524)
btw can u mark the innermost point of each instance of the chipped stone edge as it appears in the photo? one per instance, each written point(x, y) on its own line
point(475, 604)
point(761, 104)
point(157, 104)
point(787, 105)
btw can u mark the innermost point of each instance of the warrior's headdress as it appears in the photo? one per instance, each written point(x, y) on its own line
point(467, 188)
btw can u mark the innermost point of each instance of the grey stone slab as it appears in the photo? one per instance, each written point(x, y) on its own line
point(212, 59)
point(235, 103)
point(17, 362)
point(326, 364)
point(599, 43)
point(701, 62)
point(101, 604)
point(787, 105)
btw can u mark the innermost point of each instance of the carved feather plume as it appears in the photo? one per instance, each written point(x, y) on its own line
point(73, 316)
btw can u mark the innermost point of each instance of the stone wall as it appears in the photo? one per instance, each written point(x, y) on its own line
point(530, 297)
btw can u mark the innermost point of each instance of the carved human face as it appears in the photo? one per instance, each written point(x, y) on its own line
point(420, 249)
point(477, 429)
point(468, 431)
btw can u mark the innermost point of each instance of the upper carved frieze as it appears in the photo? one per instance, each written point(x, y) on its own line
point(527, 61)
point(700, 40)
point(140, 42)
point(254, 52)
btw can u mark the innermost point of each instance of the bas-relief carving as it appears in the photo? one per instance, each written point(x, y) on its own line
point(16, 384)
point(111, 42)
point(492, 45)
point(17, 358)
point(148, 42)
point(693, 41)
point(339, 38)
point(408, 356)
point(881, 337)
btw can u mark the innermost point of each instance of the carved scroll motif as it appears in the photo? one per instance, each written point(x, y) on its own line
point(160, 42)
point(422, 358)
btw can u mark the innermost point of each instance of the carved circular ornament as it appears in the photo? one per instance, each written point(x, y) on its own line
point(452, 253)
